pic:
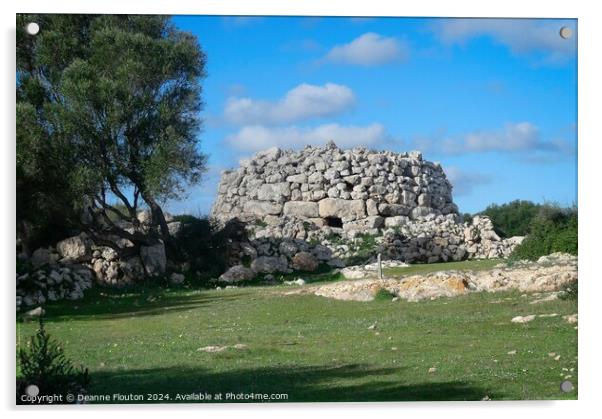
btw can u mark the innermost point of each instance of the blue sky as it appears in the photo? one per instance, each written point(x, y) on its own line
point(493, 100)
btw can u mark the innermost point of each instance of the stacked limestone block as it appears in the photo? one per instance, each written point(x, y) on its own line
point(352, 189)
point(316, 192)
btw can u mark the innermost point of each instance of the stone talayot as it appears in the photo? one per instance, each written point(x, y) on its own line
point(316, 192)
point(348, 185)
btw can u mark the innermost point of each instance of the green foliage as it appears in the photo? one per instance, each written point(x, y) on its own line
point(23, 266)
point(107, 106)
point(554, 229)
point(467, 217)
point(204, 244)
point(334, 238)
point(570, 291)
point(383, 295)
point(427, 268)
point(45, 365)
point(513, 218)
point(260, 223)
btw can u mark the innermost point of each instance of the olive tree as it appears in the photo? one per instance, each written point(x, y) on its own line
point(107, 121)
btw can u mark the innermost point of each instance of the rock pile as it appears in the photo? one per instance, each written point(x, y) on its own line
point(442, 239)
point(550, 273)
point(267, 256)
point(52, 284)
point(75, 263)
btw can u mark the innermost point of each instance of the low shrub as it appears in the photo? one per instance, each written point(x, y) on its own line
point(570, 291)
point(43, 363)
point(383, 295)
point(514, 218)
point(554, 229)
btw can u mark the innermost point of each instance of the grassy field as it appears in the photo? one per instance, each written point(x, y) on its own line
point(426, 268)
point(315, 349)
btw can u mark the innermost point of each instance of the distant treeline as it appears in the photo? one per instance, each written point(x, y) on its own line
point(549, 227)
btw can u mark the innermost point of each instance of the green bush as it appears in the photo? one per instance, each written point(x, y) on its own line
point(203, 244)
point(513, 218)
point(570, 291)
point(384, 295)
point(44, 364)
point(554, 229)
point(467, 217)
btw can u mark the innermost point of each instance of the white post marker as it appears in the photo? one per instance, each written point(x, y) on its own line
point(380, 267)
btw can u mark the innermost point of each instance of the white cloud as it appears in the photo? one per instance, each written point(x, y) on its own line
point(464, 182)
point(300, 103)
point(368, 50)
point(512, 138)
point(257, 137)
point(522, 36)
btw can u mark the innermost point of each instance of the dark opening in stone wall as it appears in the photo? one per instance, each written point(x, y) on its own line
point(333, 222)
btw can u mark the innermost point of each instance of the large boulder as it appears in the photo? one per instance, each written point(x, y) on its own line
point(237, 273)
point(365, 224)
point(277, 192)
point(301, 209)
point(346, 210)
point(261, 208)
point(393, 209)
point(132, 269)
point(305, 261)
point(144, 217)
point(76, 248)
point(174, 228)
point(269, 264)
point(41, 257)
point(153, 259)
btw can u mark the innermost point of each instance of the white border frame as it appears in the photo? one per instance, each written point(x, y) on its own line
point(590, 69)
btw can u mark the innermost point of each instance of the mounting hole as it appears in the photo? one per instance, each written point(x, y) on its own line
point(32, 28)
point(566, 32)
point(566, 386)
point(32, 390)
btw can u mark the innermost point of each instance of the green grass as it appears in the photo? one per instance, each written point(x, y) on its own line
point(426, 268)
point(146, 340)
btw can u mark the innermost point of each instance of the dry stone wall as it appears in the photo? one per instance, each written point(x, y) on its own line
point(352, 189)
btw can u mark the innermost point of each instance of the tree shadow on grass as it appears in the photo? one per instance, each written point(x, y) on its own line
point(114, 305)
point(345, 383)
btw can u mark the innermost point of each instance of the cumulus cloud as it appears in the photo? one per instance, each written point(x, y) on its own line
point(258, 137)
point(369, 49)
point(522, 36)
point(465, 182)
point(300, 103)
point(512, 138)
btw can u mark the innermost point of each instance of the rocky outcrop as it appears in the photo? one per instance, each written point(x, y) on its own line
point(77, 248)
point(443, 239)
point(81, 263)
point(237, 273)
point(549, 274)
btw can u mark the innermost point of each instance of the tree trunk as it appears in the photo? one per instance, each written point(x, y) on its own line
point(158, 217)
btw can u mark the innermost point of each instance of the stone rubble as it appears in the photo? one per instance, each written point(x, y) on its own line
point(76, 263)
point(52, 283)
point(528, 277)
